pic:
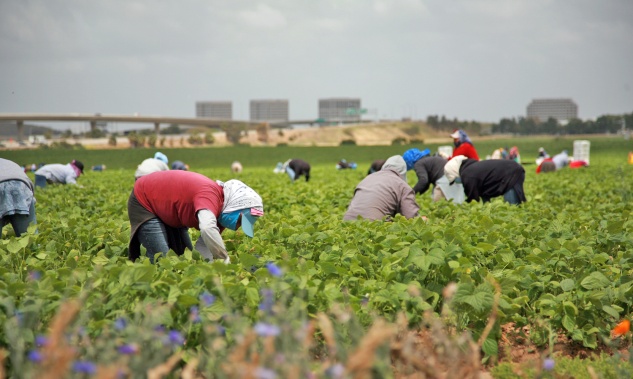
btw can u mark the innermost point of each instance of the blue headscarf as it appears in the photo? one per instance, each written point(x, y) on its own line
point(162, 157)
point(462, 136)
point(413, 155)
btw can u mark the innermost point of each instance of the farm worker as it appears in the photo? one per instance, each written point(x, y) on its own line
point(279, 168)
point(561, 160)
point(157, 163)
point(344, 164)
point(430, 170)
point(487, 179)
point(17, 204)
point(463, 145)
point(165, 204)
point(376, 166)
point(99, 167)
point(179, 165)
point(59, 173)
point(514, 155)
point(297, 167)
point(236, 167)
point(383, 194)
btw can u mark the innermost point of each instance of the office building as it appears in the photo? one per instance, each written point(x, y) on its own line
point(340, 109)
point(560, 109)
point(222, 110)
point(269, 110)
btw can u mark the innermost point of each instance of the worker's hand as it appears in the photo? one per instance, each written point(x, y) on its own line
point(227, 261)
point(424, 218)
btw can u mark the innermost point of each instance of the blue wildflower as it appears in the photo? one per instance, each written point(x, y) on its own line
point(194, 314)
point(159, 329)
point(221, 330)
point(273, 269)
point(175, 338)
point(548, 364)
point(41, 340)
point(266, 330)
point(35, 275)
point(128, 349)
point(84, 367)
point(268, 300)
point(120, 323)
point(35, 356)
point(207, 299)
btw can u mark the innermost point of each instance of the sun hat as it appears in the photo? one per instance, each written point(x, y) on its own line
point(161, 156)
point(455, 134)
point(78, 164)
point(249, 217)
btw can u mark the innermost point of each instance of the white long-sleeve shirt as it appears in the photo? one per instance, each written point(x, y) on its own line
point(150, 165)
point(58, 173)
point(210, 243)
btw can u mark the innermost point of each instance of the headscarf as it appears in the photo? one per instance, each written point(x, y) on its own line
point(451, 169)
point(161, 157)
point(397, 164)
point(462, 136)
point(238, 195)
point(413, 155)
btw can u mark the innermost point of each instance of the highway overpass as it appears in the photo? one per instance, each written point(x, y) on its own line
point(93, 119)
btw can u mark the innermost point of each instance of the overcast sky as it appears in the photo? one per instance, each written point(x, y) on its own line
point(471, 59)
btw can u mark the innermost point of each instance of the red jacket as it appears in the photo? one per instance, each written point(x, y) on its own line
point(466, 149)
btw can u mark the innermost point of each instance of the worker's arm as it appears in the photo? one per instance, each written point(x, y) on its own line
point(210, 234)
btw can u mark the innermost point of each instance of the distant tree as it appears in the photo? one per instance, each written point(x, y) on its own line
point(162, 141)
point(209, 139)
point(132, 137)
point(172, 129)
point(195, 139)
point(262, 132)
point(112, 140)
point(67, 133)
point(152, 139)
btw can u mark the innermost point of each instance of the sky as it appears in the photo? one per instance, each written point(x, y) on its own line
point(479, 60)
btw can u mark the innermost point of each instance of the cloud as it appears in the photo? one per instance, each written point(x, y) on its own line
point(263, 16)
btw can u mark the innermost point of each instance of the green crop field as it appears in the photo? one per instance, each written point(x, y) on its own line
point(563, 261)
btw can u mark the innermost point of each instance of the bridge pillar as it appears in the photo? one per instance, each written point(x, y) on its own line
point(157, 128)
point(93, 126)
point(20, 125)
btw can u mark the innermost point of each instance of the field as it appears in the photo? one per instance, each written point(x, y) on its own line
point(558, 268)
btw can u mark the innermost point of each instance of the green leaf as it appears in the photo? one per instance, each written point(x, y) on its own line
point(252, 296)
point(567, 285)
point(611, 312)
point(595, 280)
point(568, 323)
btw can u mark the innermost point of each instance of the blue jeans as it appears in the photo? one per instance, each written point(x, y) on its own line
point(511, 197)
point(20, 223)
point(153, 236)
point(40, 181)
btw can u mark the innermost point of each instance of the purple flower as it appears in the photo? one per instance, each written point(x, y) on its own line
point(128, 349)
point(221, 330)
point(194, 314)
point(265, 373)
point(84, 367)
point(120, 323)
point(267, 304)
point(273, 269)
point(266, 330)
point(548, 364)
point(41, 340)
point(364, 301)
point(35, 275)
point(35, 356)
point(159, 329)
point(207, 299)
point(175, 338)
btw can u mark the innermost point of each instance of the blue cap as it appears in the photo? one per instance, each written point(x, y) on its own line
point(413, 155)
point(248, 220)
point(161, 156)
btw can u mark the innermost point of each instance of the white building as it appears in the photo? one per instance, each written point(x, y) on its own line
point(269, 110)
point(222, 110)
point(340, 109)
point(560, 109)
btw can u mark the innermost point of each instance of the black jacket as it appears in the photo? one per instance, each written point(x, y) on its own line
point(428, 170)
point(300, 167)
point(491, 178)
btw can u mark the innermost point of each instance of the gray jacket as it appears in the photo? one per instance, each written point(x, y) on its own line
point(381, 194)
point(10, 170)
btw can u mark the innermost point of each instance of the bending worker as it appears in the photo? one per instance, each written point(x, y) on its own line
point(463, 145)
point(297, 167)
point(17, 204)
point(384, 194)
point(164, 205)
point(487, 179)
point(59, 173)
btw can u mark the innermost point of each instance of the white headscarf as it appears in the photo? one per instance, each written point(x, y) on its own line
point(238, 195)
point(451, 169)
point(397, 164)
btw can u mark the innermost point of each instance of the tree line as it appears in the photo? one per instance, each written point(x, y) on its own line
point(526, 126)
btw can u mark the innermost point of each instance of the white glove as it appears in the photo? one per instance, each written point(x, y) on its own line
point(227, 261)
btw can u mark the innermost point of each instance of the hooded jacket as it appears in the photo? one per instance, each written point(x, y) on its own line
point(491, 178)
